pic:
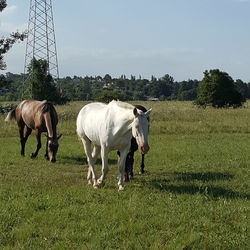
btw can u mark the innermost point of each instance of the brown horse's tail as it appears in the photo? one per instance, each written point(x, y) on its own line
point(11, 115)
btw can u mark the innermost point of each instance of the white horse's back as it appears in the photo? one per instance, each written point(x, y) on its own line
point(89, 120)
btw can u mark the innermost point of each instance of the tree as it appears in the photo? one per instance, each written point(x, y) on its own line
point(3, 5)
point(161, 88)
point(186, 90)
point(242, 88)
point(107, 96)
point(107, 78)
point(7, 43)
point(3, 82)
point(40, 84)
point(218, 90)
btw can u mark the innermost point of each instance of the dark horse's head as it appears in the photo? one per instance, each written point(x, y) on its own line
point(53, 147)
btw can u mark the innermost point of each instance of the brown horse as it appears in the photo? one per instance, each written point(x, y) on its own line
point(40, 116)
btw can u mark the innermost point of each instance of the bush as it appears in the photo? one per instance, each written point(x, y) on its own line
point(218, 89)
point(6, 108)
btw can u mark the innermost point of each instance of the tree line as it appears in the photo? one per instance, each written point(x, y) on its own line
point(216, 89)
point(87, 88)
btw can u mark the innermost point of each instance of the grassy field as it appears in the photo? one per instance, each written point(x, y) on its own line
point(194, 195)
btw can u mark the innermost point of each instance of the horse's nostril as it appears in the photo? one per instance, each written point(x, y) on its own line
point(53, 160)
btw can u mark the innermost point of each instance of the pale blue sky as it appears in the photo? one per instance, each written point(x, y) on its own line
point(182, 38)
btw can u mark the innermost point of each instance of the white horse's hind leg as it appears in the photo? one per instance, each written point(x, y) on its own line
point(104, 155)
point(89, 176)
point(91, 171)
point(121, 168)
point(95, 153)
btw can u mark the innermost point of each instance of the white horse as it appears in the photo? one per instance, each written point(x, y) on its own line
point(110, 127)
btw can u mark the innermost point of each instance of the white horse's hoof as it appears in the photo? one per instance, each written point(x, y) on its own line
point(89, 182)
point(121, 188)
point(95, 186)
point(99, 181)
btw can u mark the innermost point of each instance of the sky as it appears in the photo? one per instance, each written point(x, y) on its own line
point(182, 38)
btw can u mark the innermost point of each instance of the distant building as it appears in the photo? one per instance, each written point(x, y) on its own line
point(153, 99)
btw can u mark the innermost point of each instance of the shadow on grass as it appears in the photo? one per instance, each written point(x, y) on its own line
point(79, 160)
point(208, 191)
point(203, 188)
point(205, 177)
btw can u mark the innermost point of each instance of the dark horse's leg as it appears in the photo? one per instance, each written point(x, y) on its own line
point(23, 138)
point(126, 176)
point(129, 166)
point(126, 173)
point(130, 158)
point(142, 165)
point(39, 144)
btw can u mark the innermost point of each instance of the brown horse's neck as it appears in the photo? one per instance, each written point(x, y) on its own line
point(50, 119)
point(50, 125)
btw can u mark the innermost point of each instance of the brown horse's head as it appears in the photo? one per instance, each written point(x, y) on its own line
point(53, 147)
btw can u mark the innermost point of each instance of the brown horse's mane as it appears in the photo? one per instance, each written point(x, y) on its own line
point(47, 107)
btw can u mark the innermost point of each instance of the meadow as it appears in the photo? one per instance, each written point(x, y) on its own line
point(194, 195)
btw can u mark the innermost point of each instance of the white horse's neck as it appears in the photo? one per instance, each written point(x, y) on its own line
point(120, 104)
point(122, 115)
point(122, 110)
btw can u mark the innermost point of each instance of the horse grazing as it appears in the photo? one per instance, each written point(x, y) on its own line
point(130, 157)
point(110, 127)
point(40, 116)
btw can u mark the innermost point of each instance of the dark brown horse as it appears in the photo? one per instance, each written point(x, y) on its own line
point(40, 116)
point(130, 157)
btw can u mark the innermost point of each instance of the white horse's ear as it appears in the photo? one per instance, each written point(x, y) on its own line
point(147, 113)
point(135, 112)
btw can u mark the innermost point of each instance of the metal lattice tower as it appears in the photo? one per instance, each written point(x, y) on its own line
point(41, 42)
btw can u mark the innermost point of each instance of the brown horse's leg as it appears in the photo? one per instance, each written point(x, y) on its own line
point(21, 126)
point(39, 144)
point(27, 134)
point(46, 156)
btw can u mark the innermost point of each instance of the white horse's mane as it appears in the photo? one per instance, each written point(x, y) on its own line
point(122, 104)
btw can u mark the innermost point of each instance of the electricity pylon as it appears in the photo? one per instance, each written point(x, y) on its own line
point(41, 41)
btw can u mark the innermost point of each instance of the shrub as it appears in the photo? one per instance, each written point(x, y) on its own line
point(218, 89)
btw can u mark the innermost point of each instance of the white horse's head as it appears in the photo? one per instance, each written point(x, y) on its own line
point(140, 127)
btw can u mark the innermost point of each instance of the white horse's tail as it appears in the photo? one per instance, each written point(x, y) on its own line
point(11, 115)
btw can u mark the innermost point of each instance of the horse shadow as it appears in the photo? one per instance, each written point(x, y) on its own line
point(185, 185)
point(201, 176)
point(79, 160)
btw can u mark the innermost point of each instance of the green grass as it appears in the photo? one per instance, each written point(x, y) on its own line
point(194, 195)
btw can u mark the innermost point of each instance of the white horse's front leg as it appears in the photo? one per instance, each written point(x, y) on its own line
point(121, 168)
point(104, 155)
